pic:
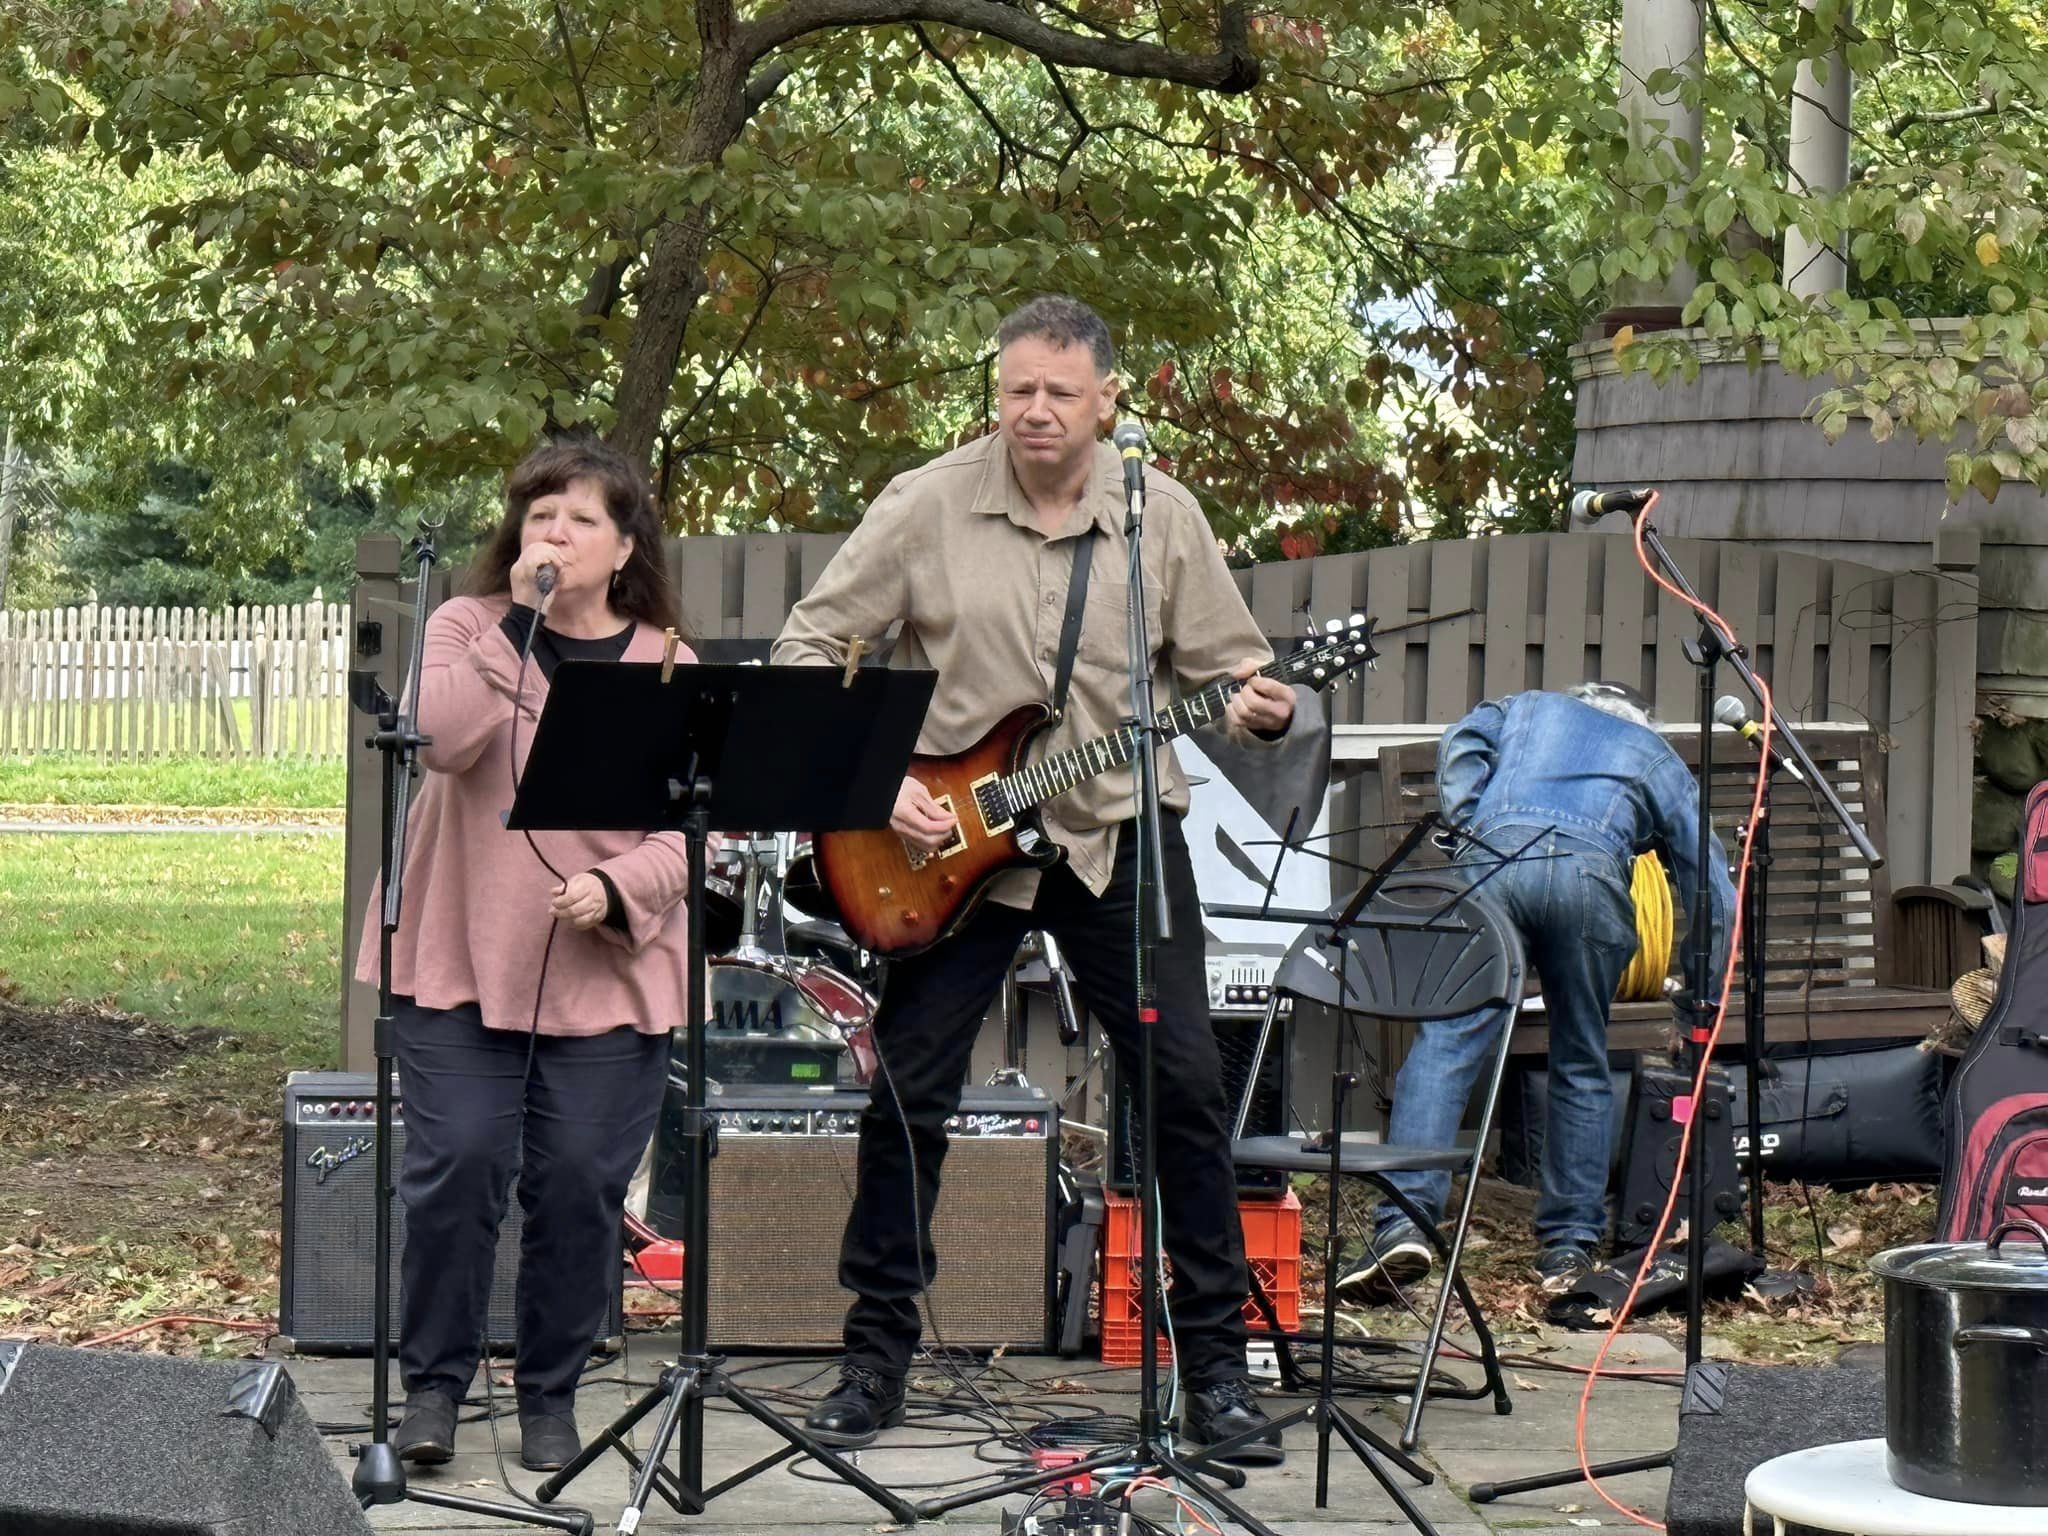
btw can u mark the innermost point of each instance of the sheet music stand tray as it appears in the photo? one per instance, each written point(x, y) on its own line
point(630, 746)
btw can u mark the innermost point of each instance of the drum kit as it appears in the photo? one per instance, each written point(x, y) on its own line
point(792, 994)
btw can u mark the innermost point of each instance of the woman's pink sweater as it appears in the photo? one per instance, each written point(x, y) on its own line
point(475, 917)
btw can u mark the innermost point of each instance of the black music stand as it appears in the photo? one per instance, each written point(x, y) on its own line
point(649, 747)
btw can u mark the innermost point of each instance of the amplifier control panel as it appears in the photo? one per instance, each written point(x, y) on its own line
point(1243, 984)
point(783, 1120)
point(990, 1113)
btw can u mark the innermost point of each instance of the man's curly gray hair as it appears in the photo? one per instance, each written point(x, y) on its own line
point(1617, 699)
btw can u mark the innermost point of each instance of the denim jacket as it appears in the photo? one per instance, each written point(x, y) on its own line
point(1541, 760)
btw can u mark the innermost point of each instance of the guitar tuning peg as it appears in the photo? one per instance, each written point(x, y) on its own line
point(1320, 673)
point(1333, 626)
point(1357, 619)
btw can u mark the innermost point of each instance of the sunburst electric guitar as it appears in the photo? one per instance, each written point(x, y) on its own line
point(897, 898)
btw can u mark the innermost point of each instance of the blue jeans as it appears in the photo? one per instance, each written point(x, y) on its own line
point(1570, 901)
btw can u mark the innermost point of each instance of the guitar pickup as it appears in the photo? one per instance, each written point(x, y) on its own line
point(989, 800)
point(957, 843)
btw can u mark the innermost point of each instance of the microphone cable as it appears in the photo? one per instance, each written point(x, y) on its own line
point(1623, 1313)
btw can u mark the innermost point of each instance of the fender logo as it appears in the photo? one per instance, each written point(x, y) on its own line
point(328, 1159)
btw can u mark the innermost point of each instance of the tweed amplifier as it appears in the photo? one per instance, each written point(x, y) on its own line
point(326, 1268)
point(781, 1186)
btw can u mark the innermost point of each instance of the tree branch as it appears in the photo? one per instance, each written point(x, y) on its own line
point(1006, 146)
point(765, 84)
point(575, 75)
point(1231, 69)
point(1905, 120)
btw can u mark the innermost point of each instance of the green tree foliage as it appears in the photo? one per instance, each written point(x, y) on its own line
point(1348, 247)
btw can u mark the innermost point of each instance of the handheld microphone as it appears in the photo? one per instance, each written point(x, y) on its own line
point(1129, 438)
point(1588, 505)
point(1728, 711)
point(544, 578)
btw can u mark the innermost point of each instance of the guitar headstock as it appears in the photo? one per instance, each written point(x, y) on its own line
point(1321, 659)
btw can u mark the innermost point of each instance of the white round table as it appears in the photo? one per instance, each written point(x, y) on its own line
point(1846, 1488)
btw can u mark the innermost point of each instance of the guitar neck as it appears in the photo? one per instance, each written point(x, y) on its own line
point(1055, 775)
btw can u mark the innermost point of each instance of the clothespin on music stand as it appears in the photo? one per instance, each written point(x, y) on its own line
point(855, 649)
point(668, 654)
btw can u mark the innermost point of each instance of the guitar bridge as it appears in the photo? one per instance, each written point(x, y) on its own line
point(957, 843)
point(989, 800)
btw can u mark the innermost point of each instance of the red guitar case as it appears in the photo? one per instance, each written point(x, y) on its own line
point(1996, 1117)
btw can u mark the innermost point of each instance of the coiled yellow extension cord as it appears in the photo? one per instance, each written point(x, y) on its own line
point(1643, 981)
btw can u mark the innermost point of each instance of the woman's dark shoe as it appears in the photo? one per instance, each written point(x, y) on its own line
point(426, 1434)
point(865, 1403)
point(548, 1442)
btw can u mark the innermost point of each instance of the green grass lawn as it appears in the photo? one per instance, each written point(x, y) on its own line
point(73, 778)
point(232, 932)
point(158, 1195)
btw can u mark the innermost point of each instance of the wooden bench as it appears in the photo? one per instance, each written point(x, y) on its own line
point(1881, 960)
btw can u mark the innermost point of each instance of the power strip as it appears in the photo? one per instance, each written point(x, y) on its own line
point(1077, 1515)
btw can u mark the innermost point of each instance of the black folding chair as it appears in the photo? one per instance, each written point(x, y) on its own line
point(1426, 946)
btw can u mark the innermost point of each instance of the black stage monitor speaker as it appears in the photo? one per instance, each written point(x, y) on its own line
point(330, 1212)
point(1237, 1041)
point(1734, 1418)
point(1650, 1152)
point(782, 1184)
point(96, 1444)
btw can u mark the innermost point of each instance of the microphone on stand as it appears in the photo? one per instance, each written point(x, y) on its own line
point(1129, 439)
point(1588, 505)
point(1728, 710)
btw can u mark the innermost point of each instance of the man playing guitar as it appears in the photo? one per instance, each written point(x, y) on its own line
point(974, 553)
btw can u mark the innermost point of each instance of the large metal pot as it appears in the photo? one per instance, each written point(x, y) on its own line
point(1966, 1368)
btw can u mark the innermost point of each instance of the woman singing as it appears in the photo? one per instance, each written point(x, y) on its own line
point(535, 983)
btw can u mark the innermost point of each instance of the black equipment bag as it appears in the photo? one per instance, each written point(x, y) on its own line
point(1997, 1113)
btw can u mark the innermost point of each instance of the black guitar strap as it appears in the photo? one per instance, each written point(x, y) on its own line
point(1070, 630)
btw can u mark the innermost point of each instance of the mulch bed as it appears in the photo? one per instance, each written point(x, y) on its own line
point(44, 1051)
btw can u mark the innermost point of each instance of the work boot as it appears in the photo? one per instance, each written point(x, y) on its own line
point(865, 1403)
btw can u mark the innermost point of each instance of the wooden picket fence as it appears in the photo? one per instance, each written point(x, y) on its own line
point(128, 683)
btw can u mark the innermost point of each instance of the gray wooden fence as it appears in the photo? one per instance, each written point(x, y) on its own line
point(1470, 620)
point(131, 683)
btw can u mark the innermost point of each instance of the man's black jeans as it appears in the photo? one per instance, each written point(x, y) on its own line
point(932, 1007)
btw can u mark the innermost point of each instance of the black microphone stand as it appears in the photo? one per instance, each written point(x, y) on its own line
point(380, 1476)
point(1710, 649)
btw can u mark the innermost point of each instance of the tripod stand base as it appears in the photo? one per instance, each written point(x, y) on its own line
point(379, 1479)
point(1486, 1493)
point(681, 1392)
point(1369, 1447)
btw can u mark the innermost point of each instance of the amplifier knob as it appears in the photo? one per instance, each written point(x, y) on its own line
point(753, 1122)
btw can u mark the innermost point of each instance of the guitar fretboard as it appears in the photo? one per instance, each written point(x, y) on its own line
point(1057, 774)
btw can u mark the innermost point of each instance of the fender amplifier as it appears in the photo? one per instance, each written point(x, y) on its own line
point(782, 1183)
point(326, 1264)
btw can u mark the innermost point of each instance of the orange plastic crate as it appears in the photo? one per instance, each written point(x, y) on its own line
point(1272, 1248)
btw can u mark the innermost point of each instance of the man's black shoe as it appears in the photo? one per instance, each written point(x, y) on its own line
point(548, 1442)
point(427, 1432)
point(1223, 1412)
point(865, 1403)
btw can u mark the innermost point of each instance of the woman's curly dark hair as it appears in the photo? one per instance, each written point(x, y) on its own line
point(643, 590)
